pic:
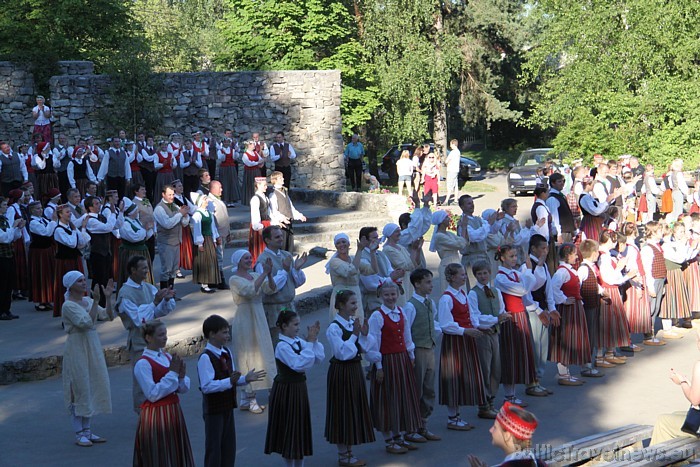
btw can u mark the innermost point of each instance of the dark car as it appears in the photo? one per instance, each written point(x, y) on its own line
point(523, 173)
point(467, 167)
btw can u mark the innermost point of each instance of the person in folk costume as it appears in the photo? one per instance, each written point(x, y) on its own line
point(115, 168)
point(447, 245)
point(512, 432)
point(21, 272)
point(161, 434)
point(42, 119)
point(572, 197)
point(169, 220)
point(44, 165)
point(515, 234)
point(540, 211)
point(200, 148)
point(69, 240)
point(133, 236)
point(544, 314)
point(400, 258)
point(486, 312)
point(174, 149)
point(51, 200)
point(228, 172)
point(42, 259)
point(259, 217)
point(112, 206)
point(186, 250)
point(134, 157)
point(375, 260)
point(164, 162)
point(282, 211)
point(569, 341)
point(461, 379)
point(27, 161)
point(676, 308)
point(563, 222)
point(637, 298)
point(95, 154)
point(80, 172)
point(345, 271)
point(679, 187)
point(10, 232)
point(289, 420)
point(691, 273)
point(655, 268)
point(204, 181)
point(251, 339)
point(613, 329)
point(475, 231)
point(517, 354)
point(86, 390)
point(348, 419)
point(13, 171)
point(148, 152)
point(253, 164)
point(191, 162)
point(693, 199)
point(223, 224)
point(100, 229)
point(205, 269)
point(214, 145)
point(261, 149)
point(145, 215)
point(218, 379)
point(414, 226)
point(593, 209)
point(394, 400)
point(492, 242)
point(282, 154)
point(62, 154)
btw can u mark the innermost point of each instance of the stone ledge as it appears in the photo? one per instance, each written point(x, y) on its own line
point(33, 369)
point(391, 205)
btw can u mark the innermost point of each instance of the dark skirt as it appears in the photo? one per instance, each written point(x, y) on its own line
point(256, 245)
point(613, 328)
point(162, 179)
point(42, 264)
point(45, 182)
point(161, 437)
point(517, 355)
point(126, 252)
point(136, 177)
point(676, 304)
point(394, 403)
point(569, 343)
point(289, 421)
point(21, 269)
point(81, 185)
point(205, 267)
point(461, 380)
point(348, 419)
point(62, 267)
point(116, 243)
point(249, 184)
point(228, 176)
point(186, 249)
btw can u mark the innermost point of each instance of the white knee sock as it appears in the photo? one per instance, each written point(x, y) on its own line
point(563, 369)
point(666, 324)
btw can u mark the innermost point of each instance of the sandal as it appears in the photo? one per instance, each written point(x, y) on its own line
point(456, 423)
point(393, 448)
point(82, 440)
point(346, 459)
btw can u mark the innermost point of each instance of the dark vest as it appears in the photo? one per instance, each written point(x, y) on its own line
point(540, 295)
point(264, 208)
point(64, 251)
point(6, 249)
point(533, 213)
point(192, 169)
point(49, 167)
point(615, 183)
point(566, 217)
point(80, 171)
point(117, 159)
point(65, 160)
point(589, 290)
point(346, 335)
point(144, 164)
point(284, 205)
point(286, 374)
point(224, 401)
point(10, 171)
point(282, 150)
point(100, 243)
point(39, 241)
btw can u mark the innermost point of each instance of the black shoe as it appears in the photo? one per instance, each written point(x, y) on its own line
point(206, 289)
point(686, 324)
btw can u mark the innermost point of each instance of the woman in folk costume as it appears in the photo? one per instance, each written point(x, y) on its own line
point(513, 233)
point(69, 240)
point(43, 163)
point(186, 253)
point(569, 343)
point(676, 304)
point(637, 305)
point(691, 274)
point(345, 271)
point(113, 206)
point(205, 269)
point(15, 211)
point(679, 187)
point(517, 354)
point(134, 236)
point(86, 389)
point(252, 163)
point(259, 218)
point(79, 171)
point(42, 260)
point(250, 334)
point(164, 163)
point(174, 149)
point(26, 159)
point(400, 258)
point(593, 210)
point(134, 156)
point(613, 330)
point(95, 154)
point(446, 244)
point(228, 172)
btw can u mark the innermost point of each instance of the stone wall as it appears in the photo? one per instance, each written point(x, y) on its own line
point(305, 105)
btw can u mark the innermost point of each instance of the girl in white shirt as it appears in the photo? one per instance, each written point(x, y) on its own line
point(404, 169)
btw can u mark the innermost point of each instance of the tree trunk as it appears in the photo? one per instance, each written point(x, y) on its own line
point(439, 107)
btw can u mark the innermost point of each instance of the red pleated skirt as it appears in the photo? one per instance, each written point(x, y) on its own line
point(42, 264)
point(255, 241)
point(394, 403)
point(613, 328)
point(348, 419)
point(638, 310)
point(21, 269)
point(186, 249)
point(461, 379)
point(62, 267)
point(161, 437)
point(569, 343)
point(517, 354)
point(676, 303)
point(592, 226)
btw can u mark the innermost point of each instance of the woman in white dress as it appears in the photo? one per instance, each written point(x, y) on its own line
point(250, 334)
point(447, 245)
point(86, 389)
point(401, 258)
point(345, 271)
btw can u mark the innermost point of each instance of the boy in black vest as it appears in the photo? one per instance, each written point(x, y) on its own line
point(217, 381)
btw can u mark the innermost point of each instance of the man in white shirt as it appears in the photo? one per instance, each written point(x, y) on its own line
point(474, 230)
point(223, 225)
point(452, 163)
point(282, 211)
point(282, 154)
point(13, 171)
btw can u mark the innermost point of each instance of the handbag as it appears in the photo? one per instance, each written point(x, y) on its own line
point(691, 425)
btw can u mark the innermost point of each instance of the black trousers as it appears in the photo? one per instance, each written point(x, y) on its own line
point(117, 183)
point(211, 167)
point(151, 245)
point(101, 270)
point(149, 179)
point(7, 283)
point(63, 185)
point(190, 184)
point(9, 186)
point(355, 169)
point(287, 172)
point(219, 439)
point(288, 233)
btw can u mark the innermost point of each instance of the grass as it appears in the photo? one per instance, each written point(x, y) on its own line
point(478, 187)
point(493, 159)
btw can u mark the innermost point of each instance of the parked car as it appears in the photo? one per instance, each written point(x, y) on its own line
point(523, 173)
point(468, 167)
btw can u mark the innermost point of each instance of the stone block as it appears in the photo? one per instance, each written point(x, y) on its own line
point(16, 105)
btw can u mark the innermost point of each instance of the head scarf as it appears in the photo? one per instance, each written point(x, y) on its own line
point(337, 237)
point(436, 220)
point(236, 258)
point(487, 214)
point(388, 231)
point(70, 278)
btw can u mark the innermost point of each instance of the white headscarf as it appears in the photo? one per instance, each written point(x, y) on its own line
point(436, 220)
point(236, 258)
point(337, 237)
point(486, 215)
point(388, 231)
point(69, 279)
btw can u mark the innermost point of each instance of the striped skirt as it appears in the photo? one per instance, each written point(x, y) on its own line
point(228, 176)
point(348, 419)
point(592, 226)
point(126, 252)
point(461, 380)
point(569, 343)
point(21, 269)
point(205, 268)
point(676, 304)
point(45, 182)
point(161, 437)
point(691, 275)
point(289, 421)
point(517, 355)
point(255, 241)
point(613, 328)
point(42, 264)
point(62, 267)
point(394, 402)
point(116, 243)
point(638, 310)
point(186, 249)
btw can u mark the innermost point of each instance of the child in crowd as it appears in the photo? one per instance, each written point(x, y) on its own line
point(348, 419)
point(676, 305)
point(652, 255)
point(217, 381)
point(591, 295)
point(289, 422)
point(637, 303)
